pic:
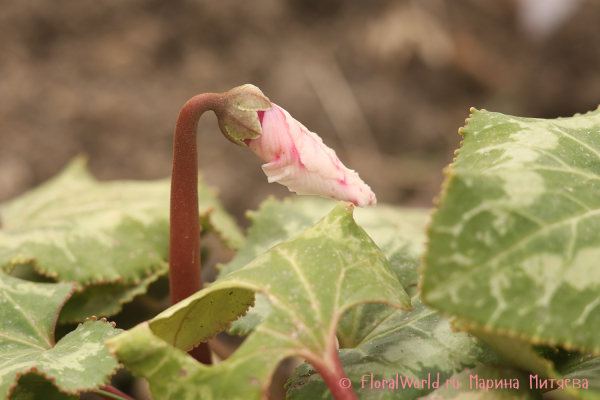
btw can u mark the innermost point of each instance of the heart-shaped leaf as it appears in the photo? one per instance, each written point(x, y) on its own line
point(515, 240)
point(397, 231)
point(416, 345)
point(28, 313)
point(310, 281)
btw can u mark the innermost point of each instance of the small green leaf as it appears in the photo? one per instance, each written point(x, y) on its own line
point(475, 385)
point(398, 232)
point(74, 228)
point(515, 241)
point(416, 345)
point(28, 313)
point(310, 280)
point(179, 324)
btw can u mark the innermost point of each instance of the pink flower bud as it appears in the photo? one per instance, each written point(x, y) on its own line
point(298, 159)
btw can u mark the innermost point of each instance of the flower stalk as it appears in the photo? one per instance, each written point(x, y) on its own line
point(236, 112)
point(184, 234)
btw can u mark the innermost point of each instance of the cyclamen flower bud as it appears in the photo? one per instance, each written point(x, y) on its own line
point(298, 159)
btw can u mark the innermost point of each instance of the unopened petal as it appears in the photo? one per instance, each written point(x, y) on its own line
point(298, 159)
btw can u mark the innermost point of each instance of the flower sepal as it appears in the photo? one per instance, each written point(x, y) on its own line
point(237, 113)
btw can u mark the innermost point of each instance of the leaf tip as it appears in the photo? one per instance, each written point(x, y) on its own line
point(348, 206)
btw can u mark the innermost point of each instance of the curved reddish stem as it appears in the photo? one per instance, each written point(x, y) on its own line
point(184, 236)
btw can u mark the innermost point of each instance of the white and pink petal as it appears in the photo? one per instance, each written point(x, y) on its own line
point(298, 159)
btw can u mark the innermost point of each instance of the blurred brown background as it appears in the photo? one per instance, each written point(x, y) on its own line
point(385, 83)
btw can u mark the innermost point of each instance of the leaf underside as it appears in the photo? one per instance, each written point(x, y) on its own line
point(310, 281)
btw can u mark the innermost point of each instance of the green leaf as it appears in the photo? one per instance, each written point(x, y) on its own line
point(589, 370)
point(74, 228)
point(512, 351)
point(28, 313)
point(104, 300)
point(397, 231)
point(197, 319)
point(310, 280)
point(416, 345)
point(515, 240)
point(35, 387)
point(475, 384)
point(543, 362)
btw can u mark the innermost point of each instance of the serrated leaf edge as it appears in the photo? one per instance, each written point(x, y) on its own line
point(222, 326)
point(127, 299)
point(52, 378)
point(512, 334)
point(450, 175)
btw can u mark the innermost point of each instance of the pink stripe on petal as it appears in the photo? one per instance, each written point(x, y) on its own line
point(298, 159)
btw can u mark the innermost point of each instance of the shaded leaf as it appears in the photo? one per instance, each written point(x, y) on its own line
point(416, 345)
point(103, 300)
point(310, 281)
point(514, 243)
point(543, 362)
point(475, 384)
point(397, 231)
point(512, 351)
point(589, 370)
point(28, 313)
point(35, 387)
